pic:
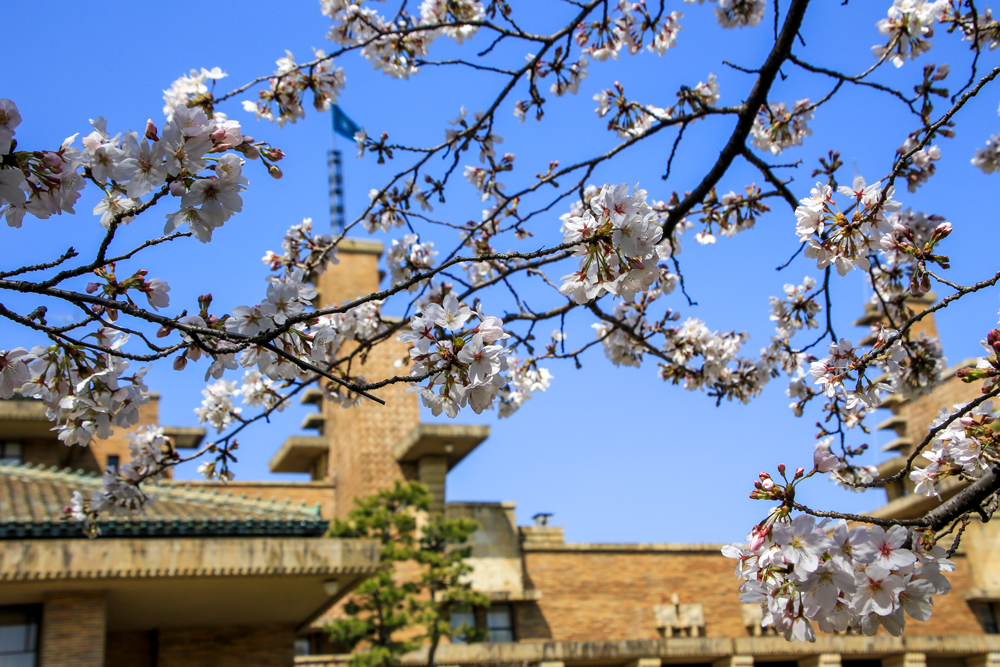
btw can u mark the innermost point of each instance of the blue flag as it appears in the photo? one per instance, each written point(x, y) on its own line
point(343, 125)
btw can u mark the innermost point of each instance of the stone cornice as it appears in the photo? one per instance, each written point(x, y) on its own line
point(33, 560)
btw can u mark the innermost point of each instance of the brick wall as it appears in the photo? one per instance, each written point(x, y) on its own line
point(594, 596)
point(268, 646)
point(131, 649)
point(73, 630)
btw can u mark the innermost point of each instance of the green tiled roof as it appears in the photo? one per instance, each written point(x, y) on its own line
point(32, 499)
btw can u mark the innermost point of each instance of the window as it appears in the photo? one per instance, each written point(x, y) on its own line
point(112, 466)
point(11, 452)
point(466, 617)
point(986, 612)
point(499, 623)
point(18, 636)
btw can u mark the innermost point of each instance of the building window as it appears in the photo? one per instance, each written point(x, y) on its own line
point(459, 618)
point(19, 636)
point(499, 622)
point(986, 612)
point(112, 466)
point(11, 452)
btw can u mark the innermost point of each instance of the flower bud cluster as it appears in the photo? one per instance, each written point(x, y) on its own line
point(730, 215)
point(837, 577)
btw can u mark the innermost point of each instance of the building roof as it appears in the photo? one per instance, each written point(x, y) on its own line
point(32, 499)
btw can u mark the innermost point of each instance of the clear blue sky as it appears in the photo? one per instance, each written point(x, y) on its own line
point(615, 454)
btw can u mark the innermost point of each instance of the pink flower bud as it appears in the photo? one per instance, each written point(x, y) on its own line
point(177, 188)
point(781, 468)
point(180, 362)
point(764, 475)
point(768, 484)
point(151, 130)
point(941, 231)
point(52, 160)
point(275, 171)
point(92, 287)
point(799, 472)
point(218, 136)
point(163, 332)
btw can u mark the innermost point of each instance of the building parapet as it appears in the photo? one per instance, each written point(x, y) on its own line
point(688, 649)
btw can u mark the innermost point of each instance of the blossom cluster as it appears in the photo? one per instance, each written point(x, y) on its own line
point(130, 166)
point(967, 447)
point(908, 25)
point(845, 238)
point(86, 393)
point(462, 367)
point(797, 311)
point(616, 239)
point(395, 45)
point(837, 577)
point(151, 451)
point(290, 81)
point(409, 257)
point(775, 128)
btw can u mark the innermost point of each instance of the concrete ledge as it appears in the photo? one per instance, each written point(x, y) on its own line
point(453, 441)
point(361, 247)
point(686, 650)
point(298, 452)
point(184, 437)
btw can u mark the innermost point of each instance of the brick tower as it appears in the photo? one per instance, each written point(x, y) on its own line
point(368, 447)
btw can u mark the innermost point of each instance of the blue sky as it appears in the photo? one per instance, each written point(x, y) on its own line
point(614, 454)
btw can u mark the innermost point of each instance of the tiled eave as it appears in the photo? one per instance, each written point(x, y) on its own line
point(19, 530)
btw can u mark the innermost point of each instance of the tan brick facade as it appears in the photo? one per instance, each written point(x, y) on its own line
point(73, 630)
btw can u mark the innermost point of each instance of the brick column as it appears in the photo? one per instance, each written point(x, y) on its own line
point(735, 661)
point(73, 630)
point(821, 660)
point(905, 660)
point(362, 437)
point(431, 471)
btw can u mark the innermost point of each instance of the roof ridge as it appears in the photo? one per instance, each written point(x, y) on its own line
point(92, 480)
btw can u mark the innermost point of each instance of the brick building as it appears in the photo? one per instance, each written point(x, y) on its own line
point(554, 604)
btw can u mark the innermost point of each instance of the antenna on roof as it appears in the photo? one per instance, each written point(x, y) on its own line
point(542, 518)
